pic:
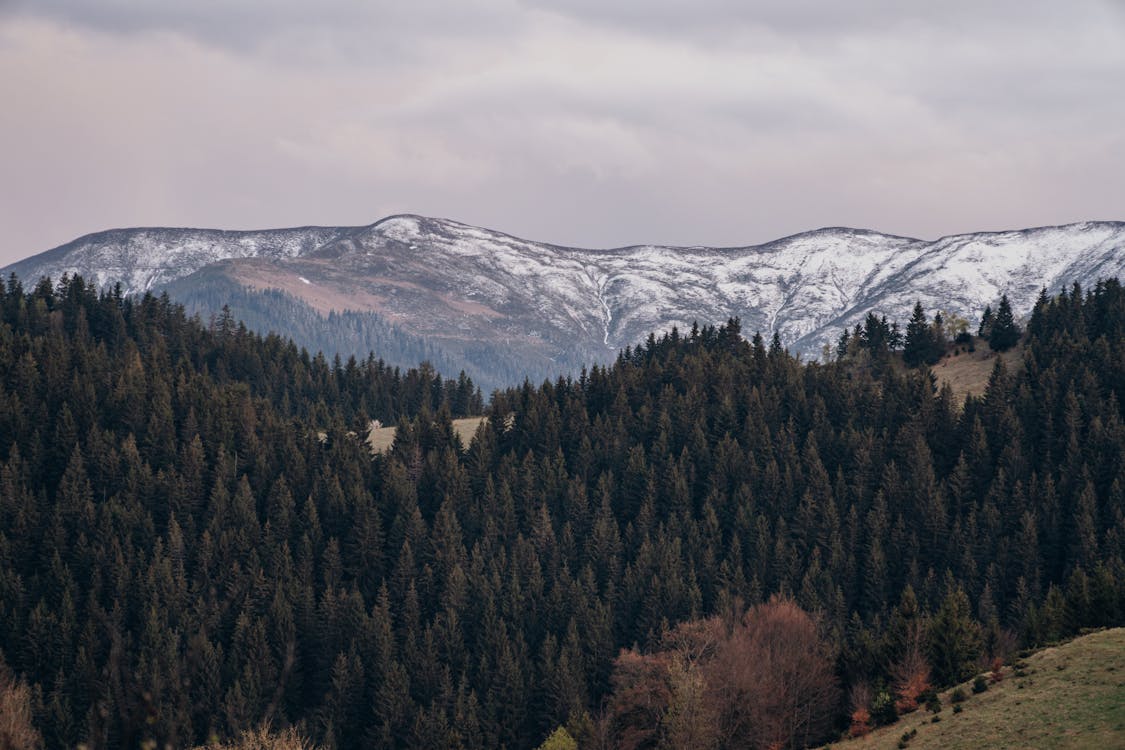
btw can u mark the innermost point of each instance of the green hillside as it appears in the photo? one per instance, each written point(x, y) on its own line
point(1070, 696)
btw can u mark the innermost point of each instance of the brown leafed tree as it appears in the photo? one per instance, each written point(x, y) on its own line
point(776, 679)
point(911, 672)
point(16, 730)
point(764, 681)
point(641, 695)
point(860, 697)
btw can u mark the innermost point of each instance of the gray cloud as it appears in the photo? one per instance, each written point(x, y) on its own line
point(578, 122)
point(819, 18)
point(351, 31)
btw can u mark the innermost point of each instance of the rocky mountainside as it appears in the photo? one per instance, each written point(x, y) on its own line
point(508, 308)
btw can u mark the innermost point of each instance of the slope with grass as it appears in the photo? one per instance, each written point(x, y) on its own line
point(1068, 696)
point(967, 372)
point(382, 438)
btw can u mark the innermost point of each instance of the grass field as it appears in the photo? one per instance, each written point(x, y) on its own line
point(382, 438)
point(1069, 696)
point(968, 372)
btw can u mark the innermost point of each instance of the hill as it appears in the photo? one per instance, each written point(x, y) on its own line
point(1067, 696)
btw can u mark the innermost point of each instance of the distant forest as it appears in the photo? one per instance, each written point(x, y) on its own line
point(351, 333)
point(195, 540)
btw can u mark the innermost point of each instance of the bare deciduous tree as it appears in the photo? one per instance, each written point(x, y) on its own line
point(764, 681)
point(16, 730)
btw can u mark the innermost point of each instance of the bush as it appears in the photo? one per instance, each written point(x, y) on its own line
point(861, 723)
point(883, 709)
point(957, 696)
point(980, 684)
point(958, 708)
point(933, 702)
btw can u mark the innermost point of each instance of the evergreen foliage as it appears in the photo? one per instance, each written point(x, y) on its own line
point(1003, 332)
point(194, 539)
point(925, 342)
point(985, 327)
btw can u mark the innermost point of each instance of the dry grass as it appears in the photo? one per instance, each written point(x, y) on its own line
point(1070, 696)
point(382, 438)
point(968, 372)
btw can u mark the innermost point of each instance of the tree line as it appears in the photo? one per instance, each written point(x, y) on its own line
point(927, 340)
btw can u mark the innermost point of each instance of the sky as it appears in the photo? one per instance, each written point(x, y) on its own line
point(593, 123)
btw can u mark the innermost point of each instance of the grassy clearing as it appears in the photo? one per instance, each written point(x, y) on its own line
point(967, 372)
point(382, 438)
point(1069, 696)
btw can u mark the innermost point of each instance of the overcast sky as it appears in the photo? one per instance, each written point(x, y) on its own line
point(585, 122)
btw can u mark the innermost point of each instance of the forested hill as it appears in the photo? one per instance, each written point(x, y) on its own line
point(182, 556)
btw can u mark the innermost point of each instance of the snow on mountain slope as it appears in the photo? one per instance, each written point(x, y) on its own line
point(466, 288)
point(143, 259)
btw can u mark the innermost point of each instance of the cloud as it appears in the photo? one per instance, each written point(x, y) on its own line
point(324, 32)
point(576, 122)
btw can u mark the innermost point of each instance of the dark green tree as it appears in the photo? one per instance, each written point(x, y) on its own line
point(1003, 333)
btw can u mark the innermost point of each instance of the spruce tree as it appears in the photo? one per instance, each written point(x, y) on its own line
point(985, 322)
point(1004, 333)
point(919, 344)
point(955, 639)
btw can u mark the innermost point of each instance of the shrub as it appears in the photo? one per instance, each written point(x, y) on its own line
point(957, 696)
point(883, 709)
point(861, 723)
point(958, 708)
point(980, 684)
point(933, 702)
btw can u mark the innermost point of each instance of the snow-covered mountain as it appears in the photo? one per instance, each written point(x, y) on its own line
point(474, 292)
point(147, 258)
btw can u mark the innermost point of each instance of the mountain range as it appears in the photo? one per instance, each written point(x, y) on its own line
point(503, 308)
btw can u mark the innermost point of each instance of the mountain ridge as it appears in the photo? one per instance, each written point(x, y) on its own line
point(542, 309)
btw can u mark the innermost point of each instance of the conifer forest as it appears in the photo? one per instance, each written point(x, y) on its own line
point(709, 543)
